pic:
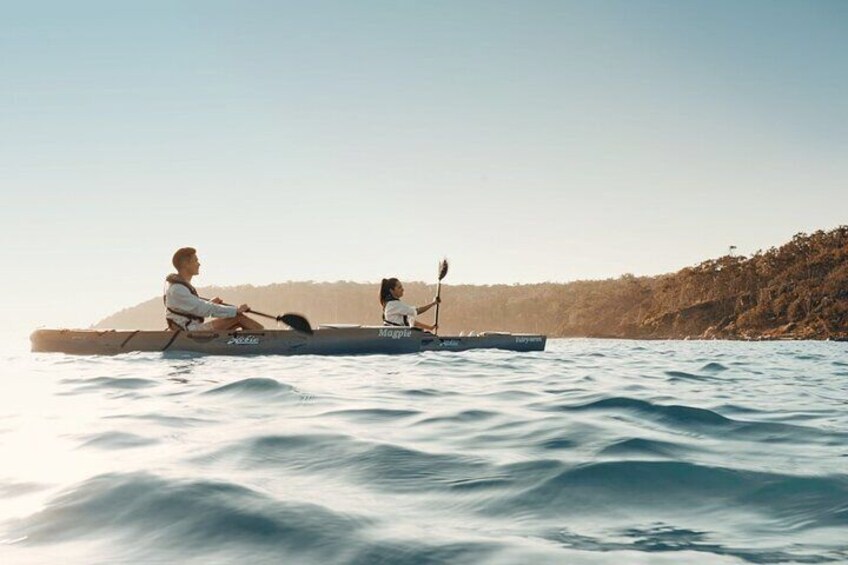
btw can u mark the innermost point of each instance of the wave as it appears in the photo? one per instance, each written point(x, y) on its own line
point(559, 443)
point(250, 387)
point(641, 447)
point(379, 466)
point(365, 414)
point(106, 383)
point(705, 421)
point(460, 417)
point(685, 545)
point(12, 489)
point(190, 515)
point(422, 392)
point(164, 420)
point(677, 414)
point(142, 517)
point(684, 376)
point(116, 440)
point(791, 502)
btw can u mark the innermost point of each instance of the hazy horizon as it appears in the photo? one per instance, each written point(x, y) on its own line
point(528, 142)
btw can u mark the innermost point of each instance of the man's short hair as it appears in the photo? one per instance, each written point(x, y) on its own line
point(182, 255)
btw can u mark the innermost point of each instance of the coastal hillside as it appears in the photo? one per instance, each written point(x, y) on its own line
point(798, 290)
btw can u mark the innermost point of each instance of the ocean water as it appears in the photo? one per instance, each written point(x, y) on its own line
point(593, 451)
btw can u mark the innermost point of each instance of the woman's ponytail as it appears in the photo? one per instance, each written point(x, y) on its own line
point(386, 287)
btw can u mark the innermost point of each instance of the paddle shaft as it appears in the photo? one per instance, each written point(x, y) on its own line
point(443, 271)
point(251, 311)
point(438, 297)
point(263, 315)
point(294, 321)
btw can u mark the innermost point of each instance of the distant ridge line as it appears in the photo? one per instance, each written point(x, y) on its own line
point(796, 291)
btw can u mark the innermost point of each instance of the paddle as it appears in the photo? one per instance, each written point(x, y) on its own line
point(443, 271)
point(295, 321)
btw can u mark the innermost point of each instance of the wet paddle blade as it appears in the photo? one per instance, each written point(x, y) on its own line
point(297, 323)
point(443, 268)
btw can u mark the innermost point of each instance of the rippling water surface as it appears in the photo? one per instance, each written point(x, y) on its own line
point(591, 452)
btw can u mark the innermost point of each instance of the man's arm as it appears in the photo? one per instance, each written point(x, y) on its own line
point(181, 300)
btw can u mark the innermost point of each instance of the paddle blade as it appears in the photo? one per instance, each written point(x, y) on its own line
point(297, 323)
point(443, 268)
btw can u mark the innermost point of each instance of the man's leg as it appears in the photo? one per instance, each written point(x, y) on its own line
point(239, 322)
point(248, 323)
point(223, 324)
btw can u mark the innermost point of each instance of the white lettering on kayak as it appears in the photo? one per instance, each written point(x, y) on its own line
point(243, 340)
point(450, 343)
point(524, 339)
point(394, 334)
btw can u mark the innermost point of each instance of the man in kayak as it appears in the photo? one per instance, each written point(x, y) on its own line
point(185, 310)
point(397, 313)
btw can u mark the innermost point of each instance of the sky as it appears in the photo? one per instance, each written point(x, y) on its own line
point(527, 141)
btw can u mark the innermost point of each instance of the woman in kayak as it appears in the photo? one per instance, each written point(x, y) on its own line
point(397, 313)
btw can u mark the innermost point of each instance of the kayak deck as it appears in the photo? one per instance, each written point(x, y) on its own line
point(326, 340)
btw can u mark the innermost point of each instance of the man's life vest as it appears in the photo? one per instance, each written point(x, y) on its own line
point(173, 325)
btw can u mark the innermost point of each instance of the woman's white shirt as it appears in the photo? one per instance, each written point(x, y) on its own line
point(395, 310)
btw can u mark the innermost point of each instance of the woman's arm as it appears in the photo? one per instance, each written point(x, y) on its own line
point(422, 309)
point(423, 326)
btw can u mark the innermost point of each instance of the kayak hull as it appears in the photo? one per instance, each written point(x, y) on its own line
point(359, 340)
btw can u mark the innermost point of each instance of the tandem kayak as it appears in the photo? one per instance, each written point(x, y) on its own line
point(326, 340)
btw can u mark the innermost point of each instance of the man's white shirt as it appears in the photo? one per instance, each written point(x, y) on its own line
point(179, 298)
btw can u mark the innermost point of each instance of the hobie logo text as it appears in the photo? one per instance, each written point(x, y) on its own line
point(243, 340)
